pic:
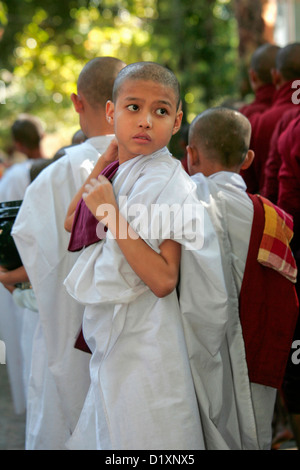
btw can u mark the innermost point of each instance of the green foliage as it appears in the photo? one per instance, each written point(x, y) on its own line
point(201, 47)
point(44, 45)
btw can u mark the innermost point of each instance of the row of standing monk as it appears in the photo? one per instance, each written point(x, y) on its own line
point(58, 381)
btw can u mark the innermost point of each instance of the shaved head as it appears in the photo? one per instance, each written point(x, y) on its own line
point(148, 71)
point(222, 135)
point(28, 130)
point(288, 61)
point(97, 78)
point(263, 61)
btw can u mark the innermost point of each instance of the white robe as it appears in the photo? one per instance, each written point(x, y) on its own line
point(17, 324)
point(15, 181)
point(13, 328)
point(238, 412)
point(142, 394)
point(42, 243)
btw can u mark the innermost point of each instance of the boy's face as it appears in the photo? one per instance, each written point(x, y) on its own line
point(144, 117)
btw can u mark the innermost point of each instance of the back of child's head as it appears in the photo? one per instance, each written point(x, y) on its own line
point(288, 61)
point(28, 131)
point(222, 135)
point(263, 61)
point(97, 78)
point(147, 71)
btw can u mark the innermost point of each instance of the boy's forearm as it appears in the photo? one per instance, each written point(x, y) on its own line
point(158, 270)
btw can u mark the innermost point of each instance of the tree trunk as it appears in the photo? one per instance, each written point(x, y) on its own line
point(255, 20)
point(248, 14)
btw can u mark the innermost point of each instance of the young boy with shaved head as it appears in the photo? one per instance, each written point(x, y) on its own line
point(142, 393)
point(60, 377)
point(261, 294)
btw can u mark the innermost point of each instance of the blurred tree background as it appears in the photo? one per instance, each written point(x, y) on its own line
point(44, 46)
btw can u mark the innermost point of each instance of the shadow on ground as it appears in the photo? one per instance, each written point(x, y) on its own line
point(12, 426)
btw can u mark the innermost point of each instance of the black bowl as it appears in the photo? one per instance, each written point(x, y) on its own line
point(9, 256)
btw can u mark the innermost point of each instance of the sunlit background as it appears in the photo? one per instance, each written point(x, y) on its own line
point(208, 44)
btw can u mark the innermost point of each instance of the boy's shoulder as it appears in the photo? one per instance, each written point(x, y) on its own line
point(166, 169)
point(161, 161)
point(156, 174)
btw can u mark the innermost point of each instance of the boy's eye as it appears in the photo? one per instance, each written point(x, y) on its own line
point(161, 111)
point(133, 107)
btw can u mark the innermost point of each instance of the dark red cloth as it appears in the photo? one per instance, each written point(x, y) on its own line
point(263, 126)
point(185, 164)
point(289, 200)
point(268, 312)
point(289, 173)
point(81, 344)
point(263, 101)
point(273, 163)
point(84, 233)
point(84, 228)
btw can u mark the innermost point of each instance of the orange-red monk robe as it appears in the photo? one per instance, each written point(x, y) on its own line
point(289, 200)
point(273, 163)
point(263, 101)
point(289, 173)
point(268, 300)
point(263, 126)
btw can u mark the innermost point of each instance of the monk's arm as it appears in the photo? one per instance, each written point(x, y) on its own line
point(15, 276)
point(158, 270)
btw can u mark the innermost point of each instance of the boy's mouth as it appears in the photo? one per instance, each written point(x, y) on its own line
point(142, 137)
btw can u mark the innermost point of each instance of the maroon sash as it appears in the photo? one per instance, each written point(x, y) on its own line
point(269, 311)
point(84, 228)
point(84, 233)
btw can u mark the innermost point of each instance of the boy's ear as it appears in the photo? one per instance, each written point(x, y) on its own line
point(177, 123)
point(252, 75)
point(78, 105)
point(192, 157)
point(110, 108)
point(276, 77)
point(248, 160)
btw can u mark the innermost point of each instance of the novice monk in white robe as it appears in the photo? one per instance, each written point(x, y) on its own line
point(60, 373)
point(17, 324)
point(214, 163)
point(142, 393)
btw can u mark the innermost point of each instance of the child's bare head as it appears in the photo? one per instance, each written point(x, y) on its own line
point(27, 131)
point(288, 61)
point(148, 71)
point(96, 80)
point(222, 136)
point(263, 61)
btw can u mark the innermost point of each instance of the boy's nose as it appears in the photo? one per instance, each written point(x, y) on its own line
point(146, 121)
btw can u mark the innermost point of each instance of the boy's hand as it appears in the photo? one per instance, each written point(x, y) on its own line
point(109, 156)
point(111, 153)
point(100, 199)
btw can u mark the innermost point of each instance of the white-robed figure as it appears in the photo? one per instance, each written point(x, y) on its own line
point(214, 164)
point(17, 324)
point(27, 136)
point(142, 393)
point(60, 373)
